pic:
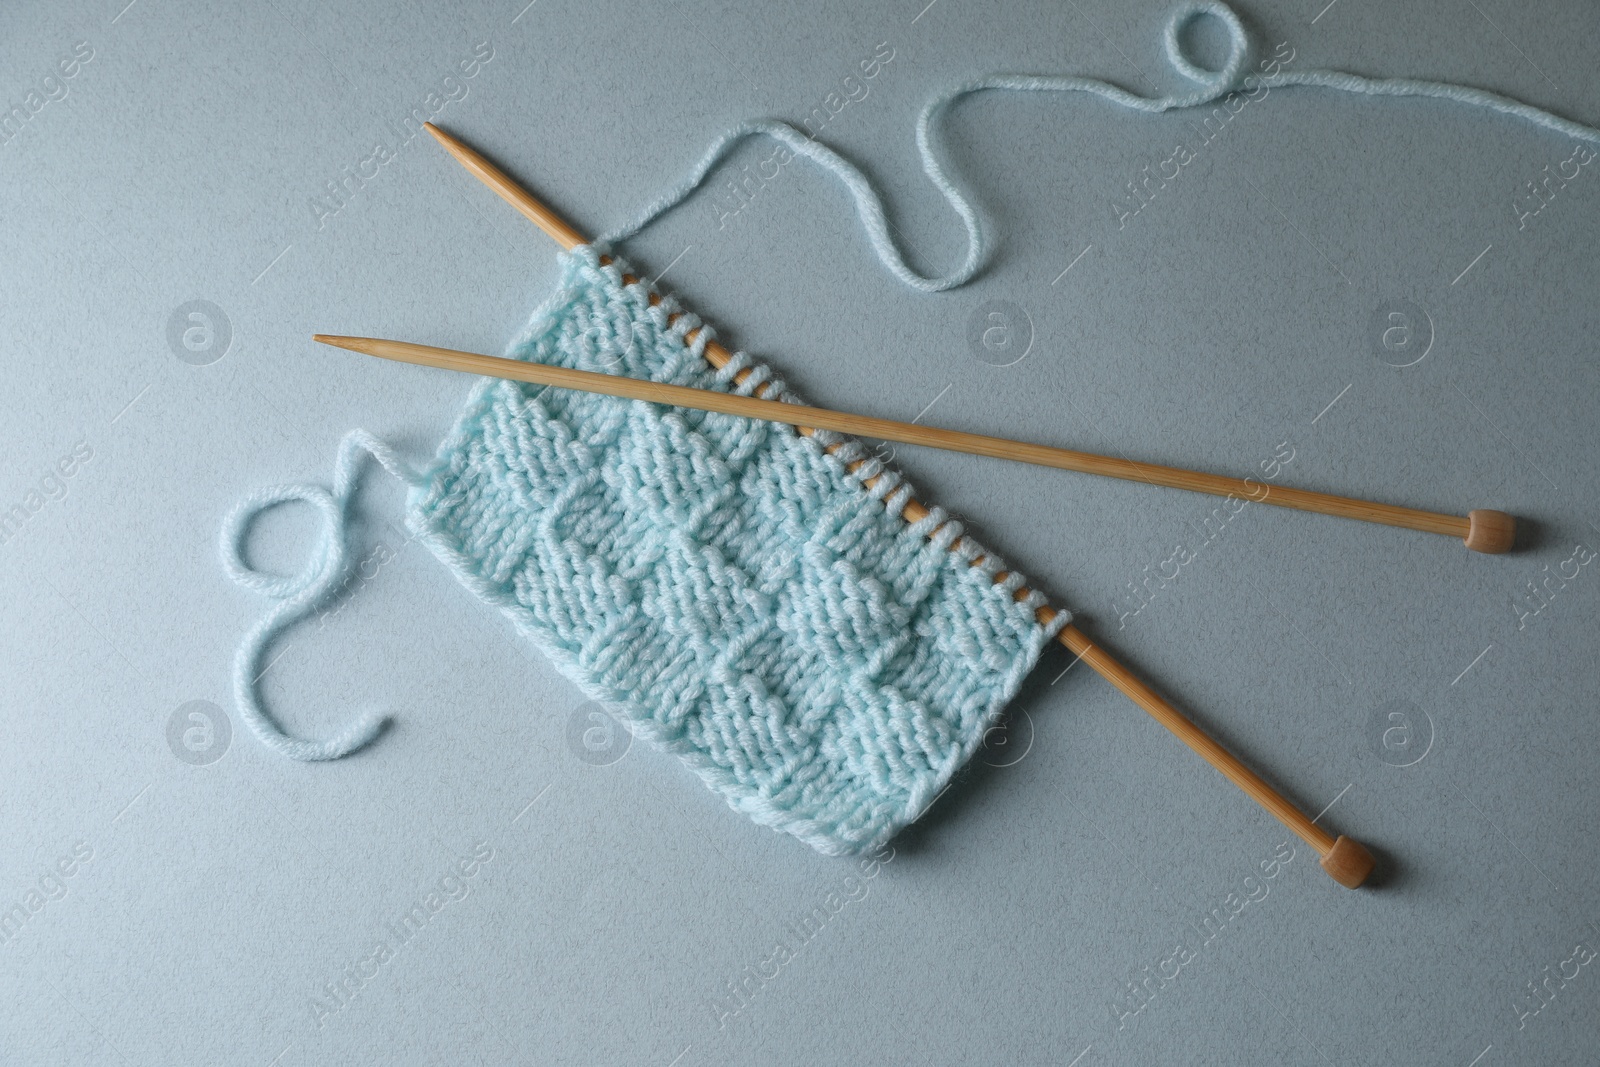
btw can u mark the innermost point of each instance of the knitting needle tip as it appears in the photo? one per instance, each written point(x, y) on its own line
point(464, 155)
point(427, 356)
point(354, 344)
point(508, 190)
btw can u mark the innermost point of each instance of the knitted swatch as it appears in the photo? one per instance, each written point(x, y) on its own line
point(729, 587)
point(732, 590)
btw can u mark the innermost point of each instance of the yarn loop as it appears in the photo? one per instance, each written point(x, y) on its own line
point(1213, 81)
point(300, 594)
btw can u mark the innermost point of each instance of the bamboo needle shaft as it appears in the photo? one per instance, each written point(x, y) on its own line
point(884, 430)
point(1483, 530)
point(1344, 859)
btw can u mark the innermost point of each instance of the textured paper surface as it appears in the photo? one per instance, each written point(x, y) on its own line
point(502, 878)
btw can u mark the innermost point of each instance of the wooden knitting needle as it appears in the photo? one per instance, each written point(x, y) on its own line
point(800, 416)
point(1345, 860)
point(1482, 530)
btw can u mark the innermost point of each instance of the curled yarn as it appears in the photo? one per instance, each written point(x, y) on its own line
point(300, 594)
point(1210, 86)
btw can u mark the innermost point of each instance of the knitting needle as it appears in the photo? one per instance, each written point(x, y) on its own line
point(1345, 860)
point(1482, 530)
point(856, 425)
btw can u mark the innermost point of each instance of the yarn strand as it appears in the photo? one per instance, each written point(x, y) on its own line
point(298, 595)
point(1211, 85)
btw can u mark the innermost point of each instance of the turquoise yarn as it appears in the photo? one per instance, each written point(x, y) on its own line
point(736, 593)
point(299, 595)
point(1211, 86)
point(731, 589)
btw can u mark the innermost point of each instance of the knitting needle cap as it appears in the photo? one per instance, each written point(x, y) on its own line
point(1490, 531)
point(1348, 862)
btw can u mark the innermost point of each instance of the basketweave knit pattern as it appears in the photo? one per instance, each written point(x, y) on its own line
point(729, 588)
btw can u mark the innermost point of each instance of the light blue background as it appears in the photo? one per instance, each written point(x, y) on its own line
point(1231, 315)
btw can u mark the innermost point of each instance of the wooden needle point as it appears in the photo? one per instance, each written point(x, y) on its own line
point(509, 191)
point(1340, 857)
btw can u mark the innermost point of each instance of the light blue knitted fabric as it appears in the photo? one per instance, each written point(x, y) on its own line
point(730, 588)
